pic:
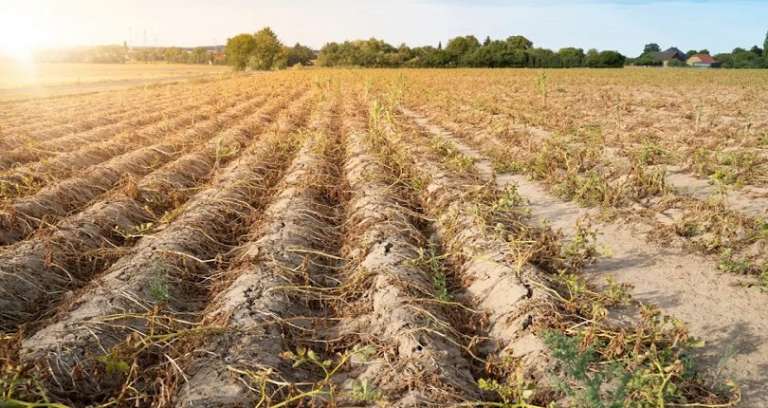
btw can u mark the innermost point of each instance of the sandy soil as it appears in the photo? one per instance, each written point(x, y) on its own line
point(716, 307)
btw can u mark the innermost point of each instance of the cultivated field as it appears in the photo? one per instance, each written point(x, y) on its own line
point(21, 81)
point(497, 238)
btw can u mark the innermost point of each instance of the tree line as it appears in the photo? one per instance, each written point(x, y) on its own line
point(465, 51)
point(754, 57)
point(119, 54)
point(263, 51)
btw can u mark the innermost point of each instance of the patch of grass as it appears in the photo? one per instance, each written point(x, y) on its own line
point(650, 154)
point(729, 263)
point(605, 387)
point(158, 288)
point(363, 391)
point(433, 262)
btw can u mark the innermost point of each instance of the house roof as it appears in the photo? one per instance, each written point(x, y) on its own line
point(672, 53)
point(702, 58)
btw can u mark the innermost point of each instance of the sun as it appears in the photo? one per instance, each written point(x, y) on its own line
point(21, 35)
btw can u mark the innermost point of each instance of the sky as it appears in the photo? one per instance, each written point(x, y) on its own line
point(623, 25)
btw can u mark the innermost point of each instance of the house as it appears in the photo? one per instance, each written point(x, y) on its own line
point(702, 61)
point(672, 54)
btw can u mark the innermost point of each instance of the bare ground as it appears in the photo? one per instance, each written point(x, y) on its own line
point(717, 307)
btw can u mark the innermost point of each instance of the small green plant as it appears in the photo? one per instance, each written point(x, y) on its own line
point(651, 153)
point(581, 249)
point(515, 392)
point(763, 277)
point(304, 356)
point(588, 190)
point(542, 86)
point(603, 388)
point(114, 364)
point(137, 231)
point(224, 152)
point(432, 261)
point(363, 391)
point(451, 156)
point(158, 288)
point(729, 263)
point(724, 176)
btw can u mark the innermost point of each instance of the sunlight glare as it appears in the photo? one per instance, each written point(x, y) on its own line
point(22, 32)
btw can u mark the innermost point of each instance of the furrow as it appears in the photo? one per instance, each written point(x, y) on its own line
point(33, 134)
point(44, 138)
point(36, 273)
point(26, 180)
point(27, 117)
point(397, 305)
point(255, 306)
point(499, 281)
point(62, 117)
point(27, 214)
point(163, 275)
point(716, 307)
point(59, 159)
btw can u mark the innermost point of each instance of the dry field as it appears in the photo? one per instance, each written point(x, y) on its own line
point(466, 238)
point(22, 81)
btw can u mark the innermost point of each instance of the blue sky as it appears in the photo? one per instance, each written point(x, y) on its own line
point(624, 25)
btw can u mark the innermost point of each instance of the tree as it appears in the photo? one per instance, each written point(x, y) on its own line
point(611, 59)
point(200, 56)
point(765, 46)
point(571, 57)
point(266, 51)
point(592, 59)
point(741, 58)
point(487, 41)
point(757, 51)
point(459, 47)
point(691, 53)
point(239, 49)
point(298, 54)
point(651, 48)
point(648, 57)
point(519, 42)
point(704, 51)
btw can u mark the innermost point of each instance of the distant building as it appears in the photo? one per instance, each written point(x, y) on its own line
point(703, 61)
point(672, 54)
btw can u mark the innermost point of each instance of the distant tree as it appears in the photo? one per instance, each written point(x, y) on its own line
point(200, 56)
point(439, 45)
point(691, 53)
point(487, 41)
point(174, 55)
point(466, 51)
point(648, 57)
point(611, 59)
point(592, 58)
point(765, 46)
point(459, 47)
point(519, 42)
point(704, 51)
point(651, 48)
point(298, 54)
point(757, 51)
point(266, 51)
point(543, 58)
point(571, 57)
point(239, 49)
point(741, 58)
